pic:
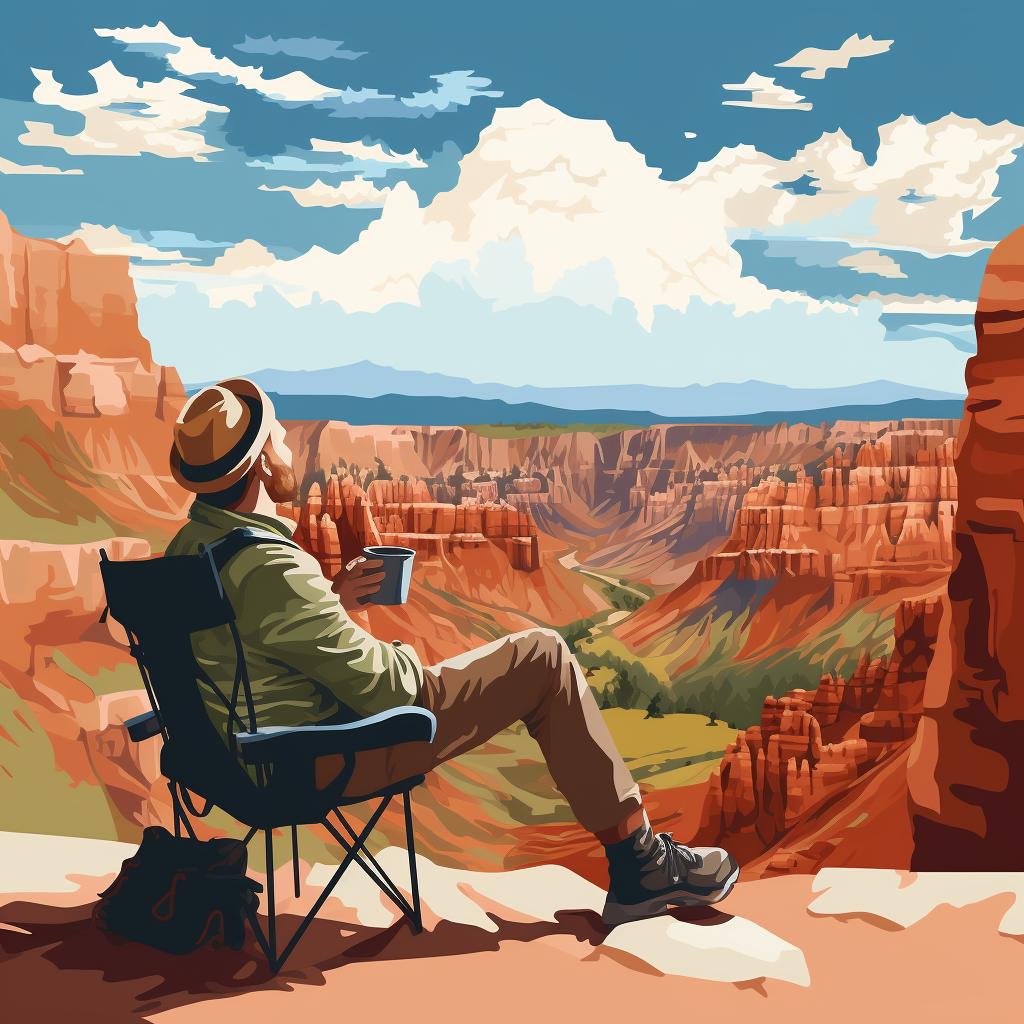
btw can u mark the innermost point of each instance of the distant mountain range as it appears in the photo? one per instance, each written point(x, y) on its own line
point(366, 380)
point(442, 411)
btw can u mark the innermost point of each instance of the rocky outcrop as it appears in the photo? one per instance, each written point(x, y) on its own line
point(67, 300)
point(69, 335)
point(85, 420)
point(87, 385)
point(55, 655)
point(810, 746)
point(883, 506)
point(336, 526)
point(966, 773)
point(85, 412)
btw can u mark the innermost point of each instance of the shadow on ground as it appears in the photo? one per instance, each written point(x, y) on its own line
point(118, 981)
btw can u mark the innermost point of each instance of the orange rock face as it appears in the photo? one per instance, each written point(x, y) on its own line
point(810, 746)
point(52, 596)
point(966, 772)
point(85, 419)
point(66, 299)
point(84, 410)
point(337, 527)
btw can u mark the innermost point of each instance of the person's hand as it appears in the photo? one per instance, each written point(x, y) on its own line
point(358, 580)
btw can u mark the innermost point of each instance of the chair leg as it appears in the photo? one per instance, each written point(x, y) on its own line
point(268, 943)
point(295, 858)
point(368, 863)
point(329, 888)
point(271, 905)
point(410, 842)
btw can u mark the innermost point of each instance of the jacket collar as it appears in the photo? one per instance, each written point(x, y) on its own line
point(225, 520)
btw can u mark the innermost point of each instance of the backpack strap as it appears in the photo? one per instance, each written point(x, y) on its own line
point(220, 552)
point(223, 550)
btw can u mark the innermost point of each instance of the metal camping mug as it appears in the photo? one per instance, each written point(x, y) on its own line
point(397, 569)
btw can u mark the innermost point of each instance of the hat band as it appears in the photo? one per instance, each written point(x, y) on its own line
point(233, 457)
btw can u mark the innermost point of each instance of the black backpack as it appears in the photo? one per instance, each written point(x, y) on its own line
point(179, 894)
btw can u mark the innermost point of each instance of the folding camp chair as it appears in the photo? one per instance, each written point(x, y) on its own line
point(161, 602)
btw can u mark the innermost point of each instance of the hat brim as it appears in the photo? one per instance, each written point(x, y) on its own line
point(238, 462)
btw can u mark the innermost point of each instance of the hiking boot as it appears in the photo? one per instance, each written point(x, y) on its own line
point(648, 873)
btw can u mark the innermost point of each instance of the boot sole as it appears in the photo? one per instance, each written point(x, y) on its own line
point(623, 913)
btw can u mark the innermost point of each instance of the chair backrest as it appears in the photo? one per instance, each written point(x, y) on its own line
point(161, 602)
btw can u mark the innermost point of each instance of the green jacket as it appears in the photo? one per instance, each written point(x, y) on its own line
point(306, 657)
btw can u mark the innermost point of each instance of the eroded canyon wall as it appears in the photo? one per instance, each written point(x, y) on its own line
point(85, 412)
point(966, 773)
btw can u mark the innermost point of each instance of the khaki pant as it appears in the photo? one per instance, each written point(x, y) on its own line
point(528, 677)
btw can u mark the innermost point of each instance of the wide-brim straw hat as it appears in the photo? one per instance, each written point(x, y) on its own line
point(219, 435)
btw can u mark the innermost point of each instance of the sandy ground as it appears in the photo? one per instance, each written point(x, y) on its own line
point(845, 945)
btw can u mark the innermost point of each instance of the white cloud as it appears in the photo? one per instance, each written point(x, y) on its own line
point(363, 153)
point(765, 94)
point(570, 194)
point(10, 167)
point(560, 243)
point(112, 241)
point(590, 221)
point(185, 56)
point(954, 161)
point(689, 135)
point(871, 261)
point(242, 258)
point(357, 192)
point(237, 275)
point(124, 117)
point(819, 62)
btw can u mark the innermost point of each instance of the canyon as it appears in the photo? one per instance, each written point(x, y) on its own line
point(793, 581)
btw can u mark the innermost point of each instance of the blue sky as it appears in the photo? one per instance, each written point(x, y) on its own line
point(534, 193)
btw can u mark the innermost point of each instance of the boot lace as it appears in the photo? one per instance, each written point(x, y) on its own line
point(676, 858)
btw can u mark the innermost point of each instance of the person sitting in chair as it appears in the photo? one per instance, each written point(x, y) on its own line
point(310, 663)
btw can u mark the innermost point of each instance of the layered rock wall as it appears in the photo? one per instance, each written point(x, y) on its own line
point(882, 512)
point(812, 745)
point(80, 393)
point(966, 771)
point(67, 300)
point(336, 526)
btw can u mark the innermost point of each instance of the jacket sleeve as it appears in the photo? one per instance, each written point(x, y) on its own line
point(287, 609)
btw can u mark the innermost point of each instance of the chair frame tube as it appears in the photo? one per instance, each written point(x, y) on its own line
point(355, 851)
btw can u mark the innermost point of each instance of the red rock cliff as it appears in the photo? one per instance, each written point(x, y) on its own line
point(85, 412)
point(66, 299)
point(811, 746)
point(966, 772)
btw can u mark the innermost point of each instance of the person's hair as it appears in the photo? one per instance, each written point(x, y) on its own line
point(230, 496)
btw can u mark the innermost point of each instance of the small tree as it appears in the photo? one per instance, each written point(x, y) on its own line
point(626, 689)
point(712, 718)
point(654, 707)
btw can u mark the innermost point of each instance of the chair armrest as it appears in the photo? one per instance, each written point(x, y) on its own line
point(387, 729)
point(142, 727)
